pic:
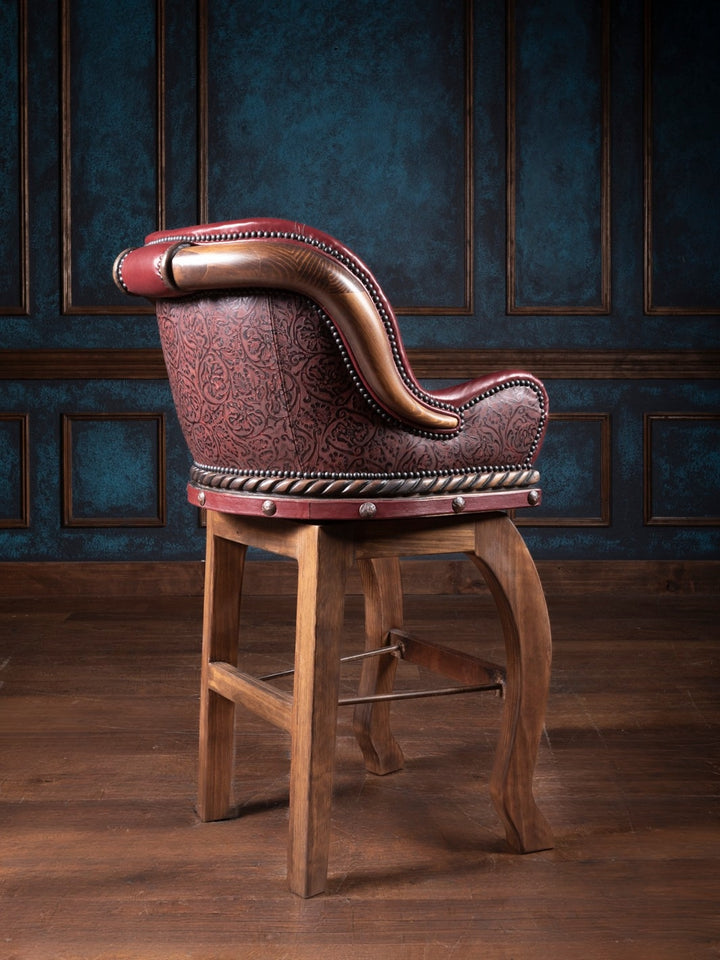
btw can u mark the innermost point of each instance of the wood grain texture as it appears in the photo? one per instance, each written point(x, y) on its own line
point(505, 561)
point(104, 857)
point(224, 567)
point(445, 363)
point(323, 562)
point(382, 588)
point(325, 553)
point(271, 578)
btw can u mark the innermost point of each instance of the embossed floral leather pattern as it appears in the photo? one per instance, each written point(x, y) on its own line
point(259, 385)
point(264, 388)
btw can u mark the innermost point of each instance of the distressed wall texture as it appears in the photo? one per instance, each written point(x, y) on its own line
point(534, 183)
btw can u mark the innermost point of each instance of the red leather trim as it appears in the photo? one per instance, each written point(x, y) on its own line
point(312, 400)
point(146, 271)
point(286, 264)
point(461, 393)
point(295, 508)
point(233, 229)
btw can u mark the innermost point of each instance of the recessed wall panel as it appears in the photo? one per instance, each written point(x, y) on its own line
point(682, 469)
point(356, 119)
point(114, 470)
point(682, 158)
point(13, 160)
point(574, 466)
point(110, 145)
point(178, 113)
point(14, 466)
point(558, 157)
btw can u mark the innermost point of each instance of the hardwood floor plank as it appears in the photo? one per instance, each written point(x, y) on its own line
point(103, 857)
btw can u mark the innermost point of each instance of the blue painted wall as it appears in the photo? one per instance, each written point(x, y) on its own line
point(534, 176)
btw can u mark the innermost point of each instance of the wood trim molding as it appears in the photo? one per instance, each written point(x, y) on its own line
point(570, 578)
point(22, 308)
point(69, 517)
point(570, 364)
point(603, 470)
point(604, 306)
point(206, 214)
point(650, 517)
point(66, 200)
point(82, 365)
point(148, 364)
point(22, 519)
point(651, 307)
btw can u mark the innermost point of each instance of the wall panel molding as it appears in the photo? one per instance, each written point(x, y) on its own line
point(601, 468)
point(69, 115)
point(687, 484)
point(148, 364)
point(16, 299)
point(570, 364)
point(466, 249)
point(701, 81)
point(566, 578)
point(145, 364)
point(514, 304)
point(124, 483)
point(20, 481)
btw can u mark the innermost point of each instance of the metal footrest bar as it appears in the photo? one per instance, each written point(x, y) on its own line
point(398, 648)
point(391, 648)
point(418, 694)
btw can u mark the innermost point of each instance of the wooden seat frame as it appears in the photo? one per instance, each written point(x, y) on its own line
point(324, 552)
point(346, 459)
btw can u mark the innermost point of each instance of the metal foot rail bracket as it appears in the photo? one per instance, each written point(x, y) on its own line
point(483, 676)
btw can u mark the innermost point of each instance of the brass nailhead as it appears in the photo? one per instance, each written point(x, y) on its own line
point(269, 508)
point(458, 504)
point(201, 498)
point(534, 498)
point(367, 510)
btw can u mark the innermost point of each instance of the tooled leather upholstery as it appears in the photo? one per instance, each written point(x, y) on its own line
point(274, 395)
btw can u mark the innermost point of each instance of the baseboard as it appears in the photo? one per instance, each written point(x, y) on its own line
point(434, 576)
point(97, 579)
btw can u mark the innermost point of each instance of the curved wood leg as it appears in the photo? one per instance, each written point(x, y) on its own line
point(383, 611)
point(504, 560)
point(224, 565)
point(322, 568)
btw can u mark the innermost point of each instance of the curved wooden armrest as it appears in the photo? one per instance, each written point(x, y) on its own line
point(278, 263)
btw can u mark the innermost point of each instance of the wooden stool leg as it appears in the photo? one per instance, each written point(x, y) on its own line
point(322, 570)
point(505, 561)
point(383, 612)
point(224, 565)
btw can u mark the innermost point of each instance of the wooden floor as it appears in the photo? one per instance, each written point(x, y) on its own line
point(103, 856)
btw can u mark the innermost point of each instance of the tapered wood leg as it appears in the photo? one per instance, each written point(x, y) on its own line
point(505, 561)
point(223, 586)
point(383, 612)
point(322, 571)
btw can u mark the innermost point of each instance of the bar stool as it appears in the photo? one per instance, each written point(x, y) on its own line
point(312, 439)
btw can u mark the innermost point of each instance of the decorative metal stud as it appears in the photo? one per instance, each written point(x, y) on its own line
point(269, 508)
point(534, 498)
point(367, 510)
point(201, 498)
point(458, 504)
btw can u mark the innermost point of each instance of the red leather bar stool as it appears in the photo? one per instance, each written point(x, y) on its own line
point(311, 438)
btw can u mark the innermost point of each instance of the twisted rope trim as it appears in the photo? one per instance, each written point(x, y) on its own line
point(291, 484)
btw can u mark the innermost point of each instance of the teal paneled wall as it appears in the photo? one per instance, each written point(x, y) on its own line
point(684, 99)
point(111, 166)
point(533, 183)
point(12, 293)
point(106, 462)
point(612, 446)
point(352, 115)
point(559, 55)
